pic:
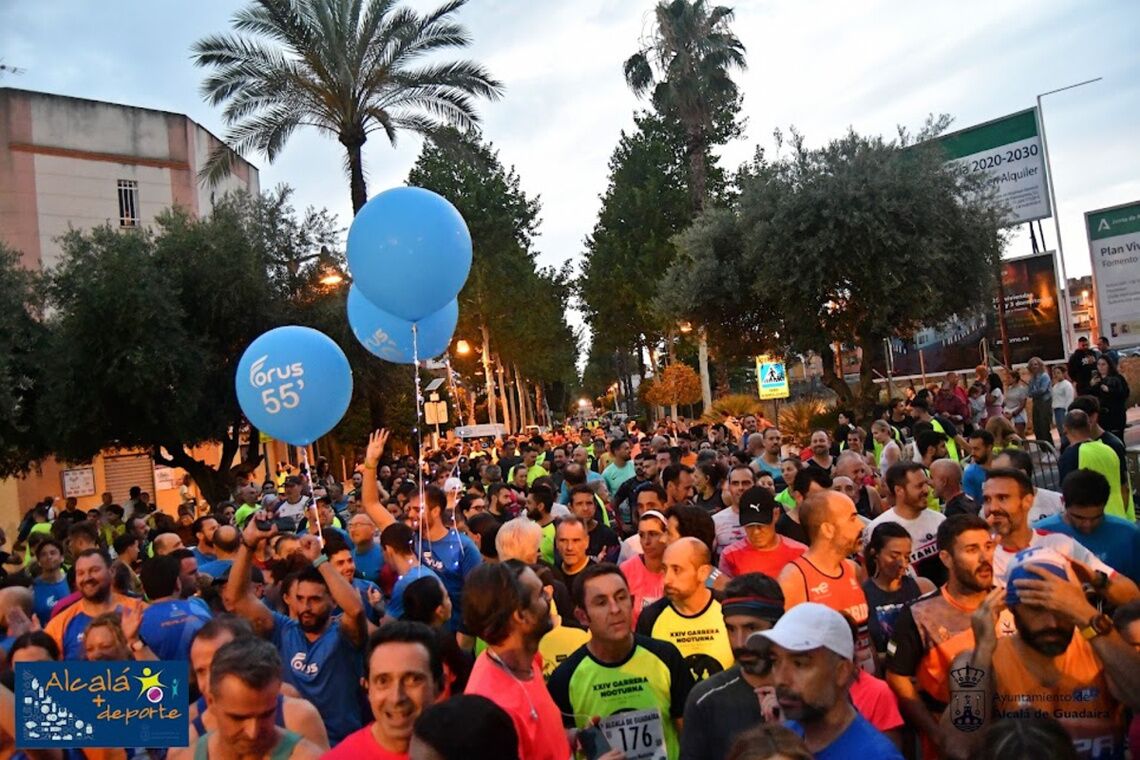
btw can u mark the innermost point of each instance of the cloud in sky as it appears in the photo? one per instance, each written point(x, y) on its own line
point(822, 66)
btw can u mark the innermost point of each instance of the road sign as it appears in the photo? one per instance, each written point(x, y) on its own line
point(772, 377)
point(435, 412)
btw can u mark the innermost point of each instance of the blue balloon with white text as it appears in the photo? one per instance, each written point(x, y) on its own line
point(409, 252)
point(294, 384)
point(389, 337)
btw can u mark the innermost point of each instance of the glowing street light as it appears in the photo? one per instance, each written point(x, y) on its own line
point(332, 278)
point(462, 347)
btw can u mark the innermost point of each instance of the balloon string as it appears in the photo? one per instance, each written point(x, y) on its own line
point(316, 515)
point(420, 534)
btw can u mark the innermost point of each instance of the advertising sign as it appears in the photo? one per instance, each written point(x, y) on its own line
point(101, 704)
point(772, 377)
point(79, 482)
point(1008, 151)
point(1114, 245)
point(1032, 320)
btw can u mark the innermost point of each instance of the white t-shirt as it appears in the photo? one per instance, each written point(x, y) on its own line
point(1063, 394)
point(296, 510)
point(558, 511)
point(630, 548)
point(1046, 503)
point(1058, 542)
point(888, 447)
point(728, 530)
point(923, 532)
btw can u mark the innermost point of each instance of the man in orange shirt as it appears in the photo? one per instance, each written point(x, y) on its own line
point(1066, 660)
point(93, 580)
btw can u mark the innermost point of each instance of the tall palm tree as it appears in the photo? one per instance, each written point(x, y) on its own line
point(686, 64)
point(346, 67)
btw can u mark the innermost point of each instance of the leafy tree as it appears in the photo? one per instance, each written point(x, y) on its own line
point(21, 374)
point(678, 384)
point(693, 51)
point(857, 241)
point(347, 67)
point(146, 329)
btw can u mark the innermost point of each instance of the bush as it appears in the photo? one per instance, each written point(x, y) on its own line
point(736, 405)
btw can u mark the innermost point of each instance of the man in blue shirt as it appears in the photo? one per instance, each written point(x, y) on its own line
point(398, 542)
point(365, 552)
point(322, 653)
point(51, 584)
point(981, 451)
point(227, 539)
point(449, 553)
point(813, 667)
point(340, 557)
point(1114, 540)
point(204, 528)
point(170, 622)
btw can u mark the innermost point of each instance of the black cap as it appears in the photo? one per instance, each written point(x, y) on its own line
point(757, 505)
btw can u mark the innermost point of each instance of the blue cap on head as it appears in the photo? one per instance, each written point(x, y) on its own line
point(1042, 558)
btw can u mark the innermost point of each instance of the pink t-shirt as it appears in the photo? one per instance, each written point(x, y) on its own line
point(360, 745)
point(532, 710)
point(876, 702)
point(740, 558)
point(644, 586)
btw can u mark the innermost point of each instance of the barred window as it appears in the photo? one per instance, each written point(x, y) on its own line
point(128, 203)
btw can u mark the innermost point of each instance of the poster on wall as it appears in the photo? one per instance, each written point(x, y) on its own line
point(1032, 318)
point(1114, 246)
point(1008, 152)
point(79, 481)
point(164, 478)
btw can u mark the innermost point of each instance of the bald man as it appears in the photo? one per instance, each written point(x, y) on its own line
point(946, 477)
point(824, 573)
point(853, 465)
point(166, 543)
point(688, 616)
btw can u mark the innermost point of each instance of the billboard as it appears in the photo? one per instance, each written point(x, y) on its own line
point(1008, 151)
point(1114, 245)
point(1032, 318)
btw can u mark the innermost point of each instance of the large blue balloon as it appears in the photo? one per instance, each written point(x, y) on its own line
point(409, 252)
point(390, 337)
point(294, 384)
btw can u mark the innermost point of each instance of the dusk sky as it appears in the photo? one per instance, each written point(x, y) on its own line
point(818, 66)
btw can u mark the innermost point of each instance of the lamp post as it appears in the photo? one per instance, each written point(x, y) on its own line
point(1066, 311)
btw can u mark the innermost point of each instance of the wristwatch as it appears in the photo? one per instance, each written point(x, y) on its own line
point(1099, 625)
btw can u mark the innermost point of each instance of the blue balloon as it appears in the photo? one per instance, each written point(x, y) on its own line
point(390, 337)
point(294, 384)
point(409, 252)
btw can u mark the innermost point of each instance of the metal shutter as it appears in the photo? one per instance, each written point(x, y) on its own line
point(122, 472)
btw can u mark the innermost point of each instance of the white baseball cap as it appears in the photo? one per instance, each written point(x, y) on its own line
point(805, 627)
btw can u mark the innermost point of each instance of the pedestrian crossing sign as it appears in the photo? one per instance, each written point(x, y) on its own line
point(772, 378)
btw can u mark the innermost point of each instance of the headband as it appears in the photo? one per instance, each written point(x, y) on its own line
point(756, 606)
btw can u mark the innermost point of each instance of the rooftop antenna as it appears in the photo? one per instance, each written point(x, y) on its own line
point(9, 69)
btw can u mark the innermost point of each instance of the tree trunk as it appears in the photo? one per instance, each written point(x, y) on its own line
point(503, 395)
point(353, 141)
point(833, 381)
point(703, 361)
point(540, 405)
point(520, 390)
point(868, 390)
point(671, 345)
point(492, 413)
point(698, 171)
point(216, 485)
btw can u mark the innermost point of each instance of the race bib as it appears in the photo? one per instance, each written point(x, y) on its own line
point(637, 733)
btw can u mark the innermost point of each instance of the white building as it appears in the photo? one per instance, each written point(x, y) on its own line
point(74, 163)
point(70, 162)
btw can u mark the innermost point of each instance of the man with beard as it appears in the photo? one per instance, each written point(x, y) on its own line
point(1007, 498)
point(812, 651)
point(727, 521)
point(404, 676)
point(723, 705)
point(204, 529)
point(821, 458)
point(823, 573)
point(93, 582)
point(366, 553)
point(644, 473)
point(689, 616)
point(1065, 660)
point(603, 542)
point(398, 544)
point(908, 485)
point(248, 498)
point(323, 653)
point(505, 605)
point(935, 628)
point(245, 679)
point(636, 685)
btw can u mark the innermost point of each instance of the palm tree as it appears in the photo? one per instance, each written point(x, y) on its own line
point(346, 67)
point(694, 51)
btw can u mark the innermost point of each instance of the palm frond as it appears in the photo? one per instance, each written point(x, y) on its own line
point(638, 72)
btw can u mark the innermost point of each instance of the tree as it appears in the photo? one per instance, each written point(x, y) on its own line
point(517, 310)
point(694, 52)
point(146, 328)
point(858, 241)
point(678, 384)
point(21, 374)
point(347, 67)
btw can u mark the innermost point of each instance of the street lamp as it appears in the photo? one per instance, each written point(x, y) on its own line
point(332, 278)
point(462, 347)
